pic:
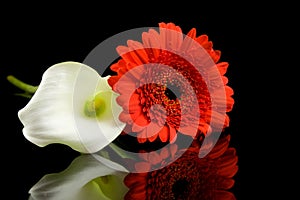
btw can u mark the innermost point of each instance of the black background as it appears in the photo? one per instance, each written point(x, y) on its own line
point(32, 41)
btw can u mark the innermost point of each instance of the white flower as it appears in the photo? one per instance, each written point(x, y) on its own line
point(73, 105)
point(88, 177)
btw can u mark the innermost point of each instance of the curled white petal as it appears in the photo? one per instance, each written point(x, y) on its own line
point(55, 113)
point(76, 182)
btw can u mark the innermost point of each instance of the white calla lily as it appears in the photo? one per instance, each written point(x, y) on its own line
point(73, 105)
point(86, 178)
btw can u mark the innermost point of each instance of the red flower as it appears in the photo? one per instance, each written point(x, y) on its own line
point(168, 84)
point(188, 177)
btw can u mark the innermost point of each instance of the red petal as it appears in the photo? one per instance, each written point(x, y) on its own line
point(153, 130)
point(142, 120)
point(135, 57)
point(202, 39)
point(125, 117)
point(171, 26)
point(207, 45)
point(142, 167)
point(123, 100)
point(125, 87)
point(121, 64)
point(218, 120)
point(123, 51)
point(229, 91)
point(230, 103)
point(224, 195)
point(136, 128)
point(225, 183)
point(162, 36)
point(152, 138)
point(162, 24)
point(189, 129)
point(139, 51)
point(225, 80)
point(154, 158)
point(164, 134)
point(228, 163)
point(164, 153)
point(143, 155)
point(222, 67)
point(192, 33)
point(151, 41)
point(133, 178)
point(112, 80)
point(138, 188)
point(173, 150)
point(173, 37)
point(136, 74)
point(215, 54)
point(142, 137)
point(133, 195)
point(220, 147)
point(172, 134)
point(134, 101)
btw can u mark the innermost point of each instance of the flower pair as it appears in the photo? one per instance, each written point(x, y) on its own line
point(168, 87)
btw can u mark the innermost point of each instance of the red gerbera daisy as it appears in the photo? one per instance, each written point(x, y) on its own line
point(168, 84)
point(188, 177)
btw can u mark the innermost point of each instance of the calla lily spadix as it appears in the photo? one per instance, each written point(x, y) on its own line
point(73, 105)
point(87, 177)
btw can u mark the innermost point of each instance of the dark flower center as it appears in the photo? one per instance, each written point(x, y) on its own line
point(179, 188)
point(173, 91)
point(182, 179)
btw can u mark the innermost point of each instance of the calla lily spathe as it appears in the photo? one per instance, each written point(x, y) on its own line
point(88, 177)
point(59, 111)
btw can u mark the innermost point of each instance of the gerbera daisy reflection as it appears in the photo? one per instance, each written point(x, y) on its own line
point(171, 70)
point(189, 177)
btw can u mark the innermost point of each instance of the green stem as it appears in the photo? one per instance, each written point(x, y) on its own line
point(20, 84)
point(119, 151)
point(25, 94)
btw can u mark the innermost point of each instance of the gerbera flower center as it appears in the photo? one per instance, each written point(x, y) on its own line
point(179, 180)
point(179, 188)
point(168, 88)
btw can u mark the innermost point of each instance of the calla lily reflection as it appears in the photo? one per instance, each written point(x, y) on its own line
point(75, 106)
point(88, 177)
